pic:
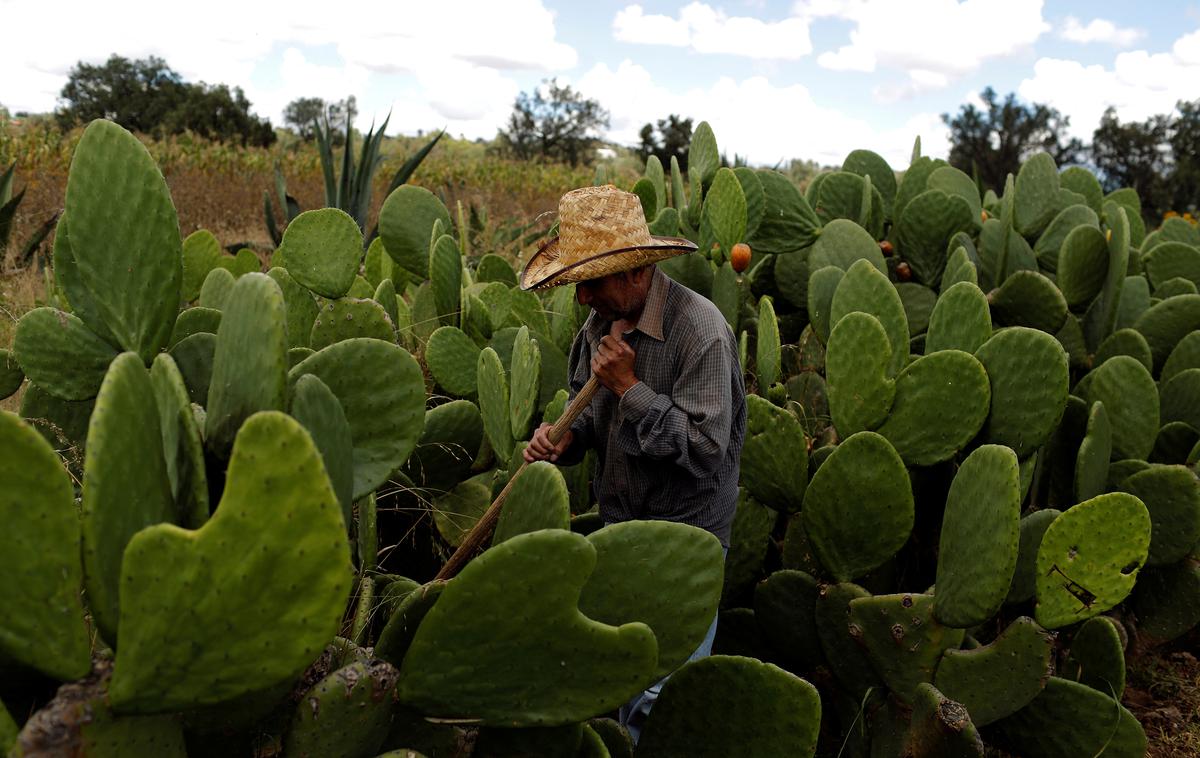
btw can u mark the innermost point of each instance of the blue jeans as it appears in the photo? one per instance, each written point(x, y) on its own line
point(633, 714)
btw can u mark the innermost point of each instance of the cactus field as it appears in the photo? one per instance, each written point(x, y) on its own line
point(968, 487)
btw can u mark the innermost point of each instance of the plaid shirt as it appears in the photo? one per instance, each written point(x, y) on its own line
point(669, 449)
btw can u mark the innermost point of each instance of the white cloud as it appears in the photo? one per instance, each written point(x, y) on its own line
point(787, 123)
point(632, 24)
point(709, 30)
point(1138, 85)
point(932, 42)
point(1099, 30)
point(454, 59)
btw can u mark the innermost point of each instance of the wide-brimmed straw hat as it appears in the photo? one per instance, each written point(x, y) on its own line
point(601, 230)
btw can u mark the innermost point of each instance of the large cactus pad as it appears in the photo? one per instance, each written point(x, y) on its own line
point(252, 597)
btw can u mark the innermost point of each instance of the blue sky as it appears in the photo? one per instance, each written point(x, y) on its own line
point(777, 79)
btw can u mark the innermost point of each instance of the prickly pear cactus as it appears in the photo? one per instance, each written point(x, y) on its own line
point(252, 597)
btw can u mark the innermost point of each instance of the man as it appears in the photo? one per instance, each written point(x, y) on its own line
point(668, 423)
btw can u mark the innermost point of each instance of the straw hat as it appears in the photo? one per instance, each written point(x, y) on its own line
point(601, 230)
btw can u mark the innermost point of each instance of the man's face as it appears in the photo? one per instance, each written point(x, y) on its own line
point(614, 297)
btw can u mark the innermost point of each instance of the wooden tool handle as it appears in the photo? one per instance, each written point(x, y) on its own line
point(482, 531)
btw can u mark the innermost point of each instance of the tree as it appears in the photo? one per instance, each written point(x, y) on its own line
point(1158, 157)
point(674, 138)
point(303, 112)
point(991, 143)
point(554, 122)
point(1185, 151)
point(1133, 155)
point(146, 95)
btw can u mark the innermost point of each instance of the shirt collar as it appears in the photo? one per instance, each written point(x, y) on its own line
point(649, 323)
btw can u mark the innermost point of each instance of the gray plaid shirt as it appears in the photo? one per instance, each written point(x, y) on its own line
point(669, 449)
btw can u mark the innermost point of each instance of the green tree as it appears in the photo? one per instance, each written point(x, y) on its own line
point(304, 112)
point(146, 95)
point(553, 122)
point(1185, 154)
point(1135, 155)
point(674, 136)
point(991, 142)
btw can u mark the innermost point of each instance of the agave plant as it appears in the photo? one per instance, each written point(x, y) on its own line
point(351, 190)
point(8, 212)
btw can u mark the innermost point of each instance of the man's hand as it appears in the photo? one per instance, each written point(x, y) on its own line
point(541, 449)
point(613, 364)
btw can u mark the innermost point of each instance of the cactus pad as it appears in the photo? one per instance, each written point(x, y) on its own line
point(941, 727)
point(980, 529)
point(538, 500)
point(1172, 496)
point(925, 224)
point(941, 402)
point(842, 242)
point(472, 622)
point(321, 249)
point(194, 358)
point(902, 639)
point(124, 236)
point(1167, 600)
point(406, 223)
point(775, 459)
point(1168, 322)
point(183, 449)
point(635, 560)
point(249, 369)
point(346, 714)
point(193, 321)
point(960, 320)
point(1050, 244)
point(1068, 719)
point(299, 305)
point(492, 384)
point(202, 251)
point(997, 680)
point(1097, 656)
point(1131, 400)
point(1089, 558)
point(452, 357)
point(43, 625)
point(866, 477)
point(767, 357)
point(232, 598)
point(1095, 450)
point(1125, 342)
point(1027, 298)
point(60, 354)
point(730, 705)
point(348, 318)
point(526, 377)
point(125, 483)
point(216, 289)
point(856, 366)
point(1028, 374)
point(865, 289)
point(11, 375)
point(785, 606)
point(382, 393)
point(1082, 265)
point(456, 511)
point(321, 415)
point(449, 441)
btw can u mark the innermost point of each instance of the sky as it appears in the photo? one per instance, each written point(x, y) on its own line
point(776, 79)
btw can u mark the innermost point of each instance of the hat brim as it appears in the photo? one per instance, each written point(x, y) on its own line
point(543, 270)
